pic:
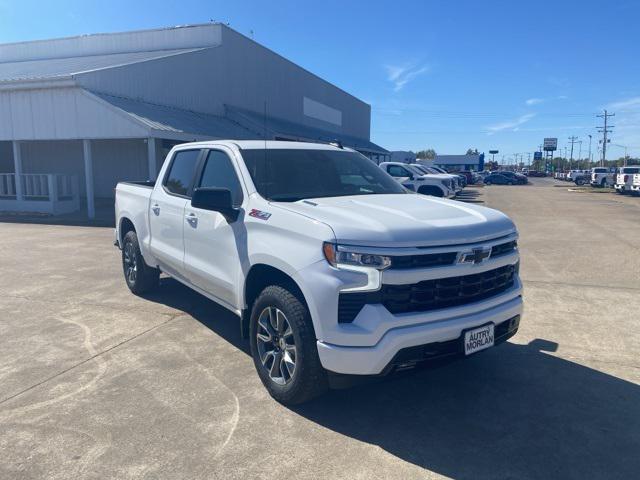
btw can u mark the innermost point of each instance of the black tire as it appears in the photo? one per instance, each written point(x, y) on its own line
point(308, 379)
point(433, 191)
point(140, 277)
point(580, 181)
point(487, 182)
point(509, 183)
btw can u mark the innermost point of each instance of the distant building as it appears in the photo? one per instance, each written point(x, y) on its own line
point(79, 114)
point(402, 156)
point(460, 163)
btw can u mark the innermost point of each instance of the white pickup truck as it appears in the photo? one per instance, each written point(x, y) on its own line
point(635, 184)
point(602, 177)
point(624, 179)
point(332, 266)
point(437, 185)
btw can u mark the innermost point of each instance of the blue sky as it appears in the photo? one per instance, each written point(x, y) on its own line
point(442, 74)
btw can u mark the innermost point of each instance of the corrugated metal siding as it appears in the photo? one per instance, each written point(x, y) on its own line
point(64, 67)
point(63, 113)
point(239, 73)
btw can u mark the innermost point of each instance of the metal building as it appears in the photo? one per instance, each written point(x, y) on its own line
point(79, 114)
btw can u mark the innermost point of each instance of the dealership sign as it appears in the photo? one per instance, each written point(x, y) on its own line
point(550, 144)
point(537, 155)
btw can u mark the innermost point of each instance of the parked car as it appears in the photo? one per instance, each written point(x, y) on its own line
point(515, 177)
point(572, 175)
point(498, 178)
point(536, 173)
point(415, 180)
point(624, 179)
point(338, 272)
point(602, 177)
point(457, 182)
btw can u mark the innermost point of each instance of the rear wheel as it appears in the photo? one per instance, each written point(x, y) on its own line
point(283, 347)
point(580, 181)
point(140, 277)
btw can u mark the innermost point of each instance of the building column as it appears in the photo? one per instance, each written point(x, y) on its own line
point(17, 169)
point(88, 176)
point(151, 158)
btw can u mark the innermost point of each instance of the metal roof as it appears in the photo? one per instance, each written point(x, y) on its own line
point(169, 119)
point(276, 127)
point(64, 67)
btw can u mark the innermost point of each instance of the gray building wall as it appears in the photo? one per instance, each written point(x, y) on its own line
point(239, 73)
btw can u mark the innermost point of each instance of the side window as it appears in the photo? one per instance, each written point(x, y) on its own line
point(397, 171)
point(219, 173)
point(181, 171)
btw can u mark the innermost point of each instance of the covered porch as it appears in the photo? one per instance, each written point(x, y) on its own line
point(92, 142)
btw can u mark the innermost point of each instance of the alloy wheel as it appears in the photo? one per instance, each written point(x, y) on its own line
point(276, 345)
point(130, 263)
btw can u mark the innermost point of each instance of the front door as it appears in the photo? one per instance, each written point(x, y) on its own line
point(166, 212)
point(215, 249)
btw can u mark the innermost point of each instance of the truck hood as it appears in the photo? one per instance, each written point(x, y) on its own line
point(403, 220)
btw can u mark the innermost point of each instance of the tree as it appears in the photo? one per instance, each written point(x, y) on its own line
point(428, 154)
point(472, 152)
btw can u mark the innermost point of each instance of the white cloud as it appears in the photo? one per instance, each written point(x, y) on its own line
point(400, 76)
point(629, 103)
point(534, 101)
point(510, 124)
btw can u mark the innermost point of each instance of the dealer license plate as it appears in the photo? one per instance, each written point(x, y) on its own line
point(478, 339)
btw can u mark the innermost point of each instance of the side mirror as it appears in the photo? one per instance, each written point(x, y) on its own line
point(215, 200)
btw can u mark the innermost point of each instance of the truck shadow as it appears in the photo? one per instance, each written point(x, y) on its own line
point(516, 411)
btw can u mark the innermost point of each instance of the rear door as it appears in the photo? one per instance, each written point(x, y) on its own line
point(215, 249)
point(167, 205)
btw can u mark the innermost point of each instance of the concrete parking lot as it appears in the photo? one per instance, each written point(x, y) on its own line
point(98, 383)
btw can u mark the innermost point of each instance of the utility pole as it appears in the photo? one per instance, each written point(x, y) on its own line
point(604, 130)
point(589, 150)
point(572, 139)
point(579, 153)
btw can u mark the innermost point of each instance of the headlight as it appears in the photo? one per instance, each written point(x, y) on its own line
point(338, 255)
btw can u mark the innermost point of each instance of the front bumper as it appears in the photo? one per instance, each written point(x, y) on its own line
point(379, 358)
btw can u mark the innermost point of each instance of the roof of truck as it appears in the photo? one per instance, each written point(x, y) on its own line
point(268, 144)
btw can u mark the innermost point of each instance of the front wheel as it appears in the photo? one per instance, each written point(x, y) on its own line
point(284, 349)
point(140, 277)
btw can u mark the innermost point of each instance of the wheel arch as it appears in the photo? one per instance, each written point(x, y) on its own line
point(260, 276)
point(125, 226)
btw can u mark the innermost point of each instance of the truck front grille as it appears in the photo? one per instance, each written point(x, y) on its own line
point(429, 294)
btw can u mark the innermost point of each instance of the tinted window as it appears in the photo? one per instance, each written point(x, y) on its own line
point(181, 171)
point(219, 173)
point(397, 171)
point(289, 175)
point(600, 170)
point(631, 170)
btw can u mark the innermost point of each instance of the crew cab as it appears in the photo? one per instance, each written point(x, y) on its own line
point(417, 181)
point(339, 272)
point(624, 179)
point(602, 177)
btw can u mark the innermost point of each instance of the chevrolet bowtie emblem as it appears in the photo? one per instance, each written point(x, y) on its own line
point(477, 255)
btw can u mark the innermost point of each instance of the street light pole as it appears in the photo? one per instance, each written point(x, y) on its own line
point(590, 160)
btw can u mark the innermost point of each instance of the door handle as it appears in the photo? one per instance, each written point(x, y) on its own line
point(156, 209)
point(192, 219)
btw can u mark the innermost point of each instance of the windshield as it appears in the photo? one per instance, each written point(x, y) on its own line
point(288, 175)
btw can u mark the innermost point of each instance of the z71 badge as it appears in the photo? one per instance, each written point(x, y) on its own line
point(259, 214)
